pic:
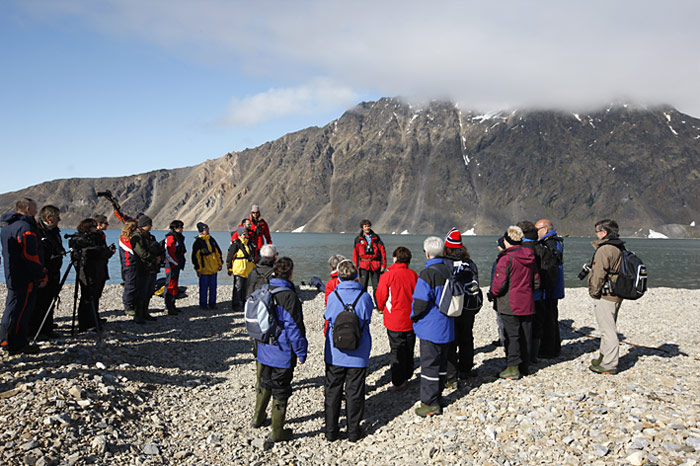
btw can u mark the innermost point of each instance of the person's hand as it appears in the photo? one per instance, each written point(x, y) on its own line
point(382, 270)
point(489, 296)
point(42, 284)
point(199, 274)
point(300, 361)
point(229, 272)
point(379, 311)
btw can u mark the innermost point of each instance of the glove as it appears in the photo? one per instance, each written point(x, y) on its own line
point(490, 296)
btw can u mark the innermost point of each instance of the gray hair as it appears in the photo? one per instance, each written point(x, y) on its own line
point(433, 246)
point(347, 270)
point(269, 251)
point(336, 259)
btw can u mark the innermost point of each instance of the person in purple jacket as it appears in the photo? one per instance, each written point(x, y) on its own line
point(279, 360)
point(513, 285)
point(347, 369)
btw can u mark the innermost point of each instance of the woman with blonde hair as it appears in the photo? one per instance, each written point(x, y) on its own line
point(129, 264)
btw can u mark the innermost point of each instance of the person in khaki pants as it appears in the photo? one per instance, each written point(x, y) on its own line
point(604, 269)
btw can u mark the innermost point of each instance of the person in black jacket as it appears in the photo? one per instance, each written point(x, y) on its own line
point(150, 257)
point(174, 262)
point(88, 256)
point(50, 240)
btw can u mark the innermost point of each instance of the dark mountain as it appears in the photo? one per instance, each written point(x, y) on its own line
point(426, 169)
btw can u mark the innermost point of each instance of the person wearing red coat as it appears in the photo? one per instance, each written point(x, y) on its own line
point(369, 256)
point(261, 232)
point(395, 301)
point(513, 285)
point(333, 262)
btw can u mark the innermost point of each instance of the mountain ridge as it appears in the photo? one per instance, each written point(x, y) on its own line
point(427, 168)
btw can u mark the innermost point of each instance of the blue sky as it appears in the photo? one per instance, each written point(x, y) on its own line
point(119, 87)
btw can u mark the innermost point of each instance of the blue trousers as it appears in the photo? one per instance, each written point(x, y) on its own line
point(207, 286)
point(19, 307)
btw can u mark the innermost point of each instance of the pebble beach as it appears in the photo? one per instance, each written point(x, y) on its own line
point(180, 390)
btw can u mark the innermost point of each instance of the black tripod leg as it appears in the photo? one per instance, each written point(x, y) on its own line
point(54, 302)
point(75, 295)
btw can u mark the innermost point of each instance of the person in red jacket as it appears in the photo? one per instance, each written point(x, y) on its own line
point(395, 301)
point(174, 263)
point(333, 262)
point(513, 285)
point(369, 256)
point(261, 232)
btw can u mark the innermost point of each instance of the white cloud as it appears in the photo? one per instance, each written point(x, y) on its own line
point(485, 54)
point(317, 96)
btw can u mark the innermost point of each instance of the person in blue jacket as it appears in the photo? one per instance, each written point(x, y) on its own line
point(278, 360)
point(346, 369)
point(550, 347)
point(434, 329)
point(24, 273)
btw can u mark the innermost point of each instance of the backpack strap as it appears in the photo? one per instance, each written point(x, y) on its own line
point(359, 295)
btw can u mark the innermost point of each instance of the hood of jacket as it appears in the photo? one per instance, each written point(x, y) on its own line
point(608, 239)
point(521, 254)
point(12, 217)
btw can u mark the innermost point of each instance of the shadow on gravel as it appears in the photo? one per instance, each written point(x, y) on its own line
point(667, 350)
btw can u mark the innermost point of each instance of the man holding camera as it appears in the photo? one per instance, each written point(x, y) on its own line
point(24, 273)
point(604, 269)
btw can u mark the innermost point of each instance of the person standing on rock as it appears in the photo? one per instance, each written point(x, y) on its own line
point(24, 273)
point(550, 346)
point(333, 262)
point(513, 287)
point(607, 262)
point(102, 225)
point(50, 239)
point(394, 301)
point(207, 262)
point(278, 360)
point(346, 370)
point(369, 256)
point(240, 261)
point(435, 330)
point(130, 267)
point(151, 256)
point(174, 263)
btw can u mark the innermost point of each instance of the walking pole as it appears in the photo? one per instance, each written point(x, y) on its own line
point(56, 300)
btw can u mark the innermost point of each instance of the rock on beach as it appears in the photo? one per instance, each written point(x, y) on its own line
point(180, 390)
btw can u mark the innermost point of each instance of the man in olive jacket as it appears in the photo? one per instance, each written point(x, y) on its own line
point(605, 268)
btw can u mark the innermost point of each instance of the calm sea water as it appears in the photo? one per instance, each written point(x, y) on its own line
point(671, 262)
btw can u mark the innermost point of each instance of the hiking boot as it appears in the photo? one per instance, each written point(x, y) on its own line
point(172, 312)
point(130, 312)
point(331, 436)
point(147, 316)
point(425, 410)
point(598, 369)
point(442, 402)
point(468, 375)
point(213, 307)
point(398, 388)
point(597, 361)
point(355, 436)
point(452, 384)
point(279, 433)
point(511, 373)
point(261, 400)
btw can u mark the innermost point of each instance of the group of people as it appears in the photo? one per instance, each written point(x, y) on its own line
point(526, 283)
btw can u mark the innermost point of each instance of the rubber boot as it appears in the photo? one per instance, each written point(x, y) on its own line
point(535, 350)
point(138, 312)
point(261, 401)
point(279, 412)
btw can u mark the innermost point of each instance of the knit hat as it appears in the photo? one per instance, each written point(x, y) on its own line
point(453, 239)
point(510, 240)
point(255, 208)
point(145, 220)
point(201, 226)
point(242, 230)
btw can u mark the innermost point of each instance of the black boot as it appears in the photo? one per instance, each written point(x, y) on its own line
point(138, 312)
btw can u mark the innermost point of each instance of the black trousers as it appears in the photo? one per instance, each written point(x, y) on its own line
point(365, 277)
point(353, 379)
point(87, 307)
point(278, 380)
point(44, 297)
point(130, 293)
point(460, 354)
point(518, 342)
point(433, 371)
point(19, 306)
point(239, 293)
point(401, 346)
point(550, 344)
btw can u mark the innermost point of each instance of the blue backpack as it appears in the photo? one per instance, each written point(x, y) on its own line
point(261, 315)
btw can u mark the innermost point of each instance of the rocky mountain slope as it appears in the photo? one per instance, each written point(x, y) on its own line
point(426, 169)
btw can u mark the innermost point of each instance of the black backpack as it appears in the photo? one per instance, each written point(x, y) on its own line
point(631, 282)
point(346, 328)
point(549, 260)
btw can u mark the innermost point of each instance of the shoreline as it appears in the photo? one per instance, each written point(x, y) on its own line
point(180, 390)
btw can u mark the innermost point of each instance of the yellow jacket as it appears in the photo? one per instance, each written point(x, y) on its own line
point(206, 255)
point(239, 259)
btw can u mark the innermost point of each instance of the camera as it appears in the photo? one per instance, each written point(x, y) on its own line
point(106, 193)
point(584, 271)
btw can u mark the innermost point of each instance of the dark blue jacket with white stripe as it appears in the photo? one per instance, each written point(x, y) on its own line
point(291, 344)
point(428, 322)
